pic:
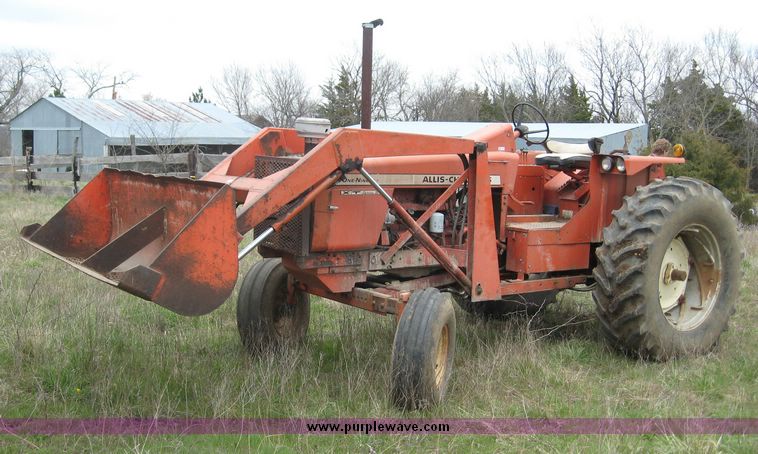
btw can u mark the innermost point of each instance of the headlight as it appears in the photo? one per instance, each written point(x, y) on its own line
point(606, 164)
point(620, 165)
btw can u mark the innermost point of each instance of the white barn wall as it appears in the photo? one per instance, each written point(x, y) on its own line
point(93, 141)
point(45, 120)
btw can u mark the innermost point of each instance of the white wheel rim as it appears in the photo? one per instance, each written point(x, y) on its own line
point(689, 279)
point(670, 291)
point(440, 357)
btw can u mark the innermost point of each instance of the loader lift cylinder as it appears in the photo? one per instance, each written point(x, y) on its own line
point(325, 184)
point(255, 243)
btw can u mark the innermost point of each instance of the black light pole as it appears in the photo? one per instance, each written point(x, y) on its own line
point(368, 49)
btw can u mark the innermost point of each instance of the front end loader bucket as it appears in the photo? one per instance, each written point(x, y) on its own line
point(168, 240)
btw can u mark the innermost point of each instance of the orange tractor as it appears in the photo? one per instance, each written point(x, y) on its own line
point(399, 224)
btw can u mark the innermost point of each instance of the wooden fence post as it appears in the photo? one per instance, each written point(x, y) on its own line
point(192, 162)
point(29, 176)
point(75, 165)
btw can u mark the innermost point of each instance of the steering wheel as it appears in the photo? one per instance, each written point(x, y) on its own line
point(517, 118)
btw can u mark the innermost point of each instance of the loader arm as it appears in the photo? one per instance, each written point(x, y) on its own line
point(343, 150)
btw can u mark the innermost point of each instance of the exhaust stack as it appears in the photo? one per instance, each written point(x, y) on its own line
point(366, 65)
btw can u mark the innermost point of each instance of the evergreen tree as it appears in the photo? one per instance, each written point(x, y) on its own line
point(342, 100)
point(712, 161)
point(198, 96)
point(690, 104)
point(573, 103)
point(488, 109)
point(504, 100)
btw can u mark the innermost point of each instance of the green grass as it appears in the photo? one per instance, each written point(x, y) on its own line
point(71, 346)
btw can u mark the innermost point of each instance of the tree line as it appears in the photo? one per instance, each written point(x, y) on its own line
point(27, 75)
point(703, 95)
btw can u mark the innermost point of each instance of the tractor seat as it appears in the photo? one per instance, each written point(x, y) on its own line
point(565, 155)
point(564, 160)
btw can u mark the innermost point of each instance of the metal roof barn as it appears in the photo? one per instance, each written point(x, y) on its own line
point(617, 136)
point(97, 127)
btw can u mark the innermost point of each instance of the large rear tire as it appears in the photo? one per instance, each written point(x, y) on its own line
point(270, 312)
point(668, 271)
point(423, 350)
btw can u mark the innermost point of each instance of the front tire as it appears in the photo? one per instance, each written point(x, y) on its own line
point(668, 271)
point(270, 312)
point(423, 350)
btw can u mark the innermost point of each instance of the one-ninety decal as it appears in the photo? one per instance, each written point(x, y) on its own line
point(358, 192)
point(394, 179)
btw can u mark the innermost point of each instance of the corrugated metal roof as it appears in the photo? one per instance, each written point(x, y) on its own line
point(558, 131)
point(629, 136)
point(158, 122)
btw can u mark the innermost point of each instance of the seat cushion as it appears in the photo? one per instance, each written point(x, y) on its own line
point(570, 160)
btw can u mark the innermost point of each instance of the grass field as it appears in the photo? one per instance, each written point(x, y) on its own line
point(73, 347)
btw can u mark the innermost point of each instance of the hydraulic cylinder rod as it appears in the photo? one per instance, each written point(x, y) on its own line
point(325, 184)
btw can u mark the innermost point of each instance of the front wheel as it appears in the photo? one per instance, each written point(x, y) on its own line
point(270, 311)
point(422, 353)
point(668, 271)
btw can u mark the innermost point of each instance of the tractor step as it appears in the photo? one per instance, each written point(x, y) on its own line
point(527, 226)
point(537, 247)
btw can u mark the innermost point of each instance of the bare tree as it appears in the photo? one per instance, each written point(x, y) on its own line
point(720, 56)
point(540, 75)
point(607, 61)
point(436, 97)
point(650, 65)
point(646, 73)
point(54, 77)
point(235, 90)
point(746, 93)
point(495, 75)
point(732, 67)
point(99, 77)
point(745, 84)
point(444, 99)
point(17, 86)
point(391, 93)
point(676, 60)
point(525, 74)
point(284, 94)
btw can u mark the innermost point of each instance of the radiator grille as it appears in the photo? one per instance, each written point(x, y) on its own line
point(295, 235)
point(267, 165)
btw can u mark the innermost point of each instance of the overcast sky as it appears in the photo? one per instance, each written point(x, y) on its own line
point(174, 47)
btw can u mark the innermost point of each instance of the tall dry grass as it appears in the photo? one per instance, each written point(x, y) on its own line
point(73, 347)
